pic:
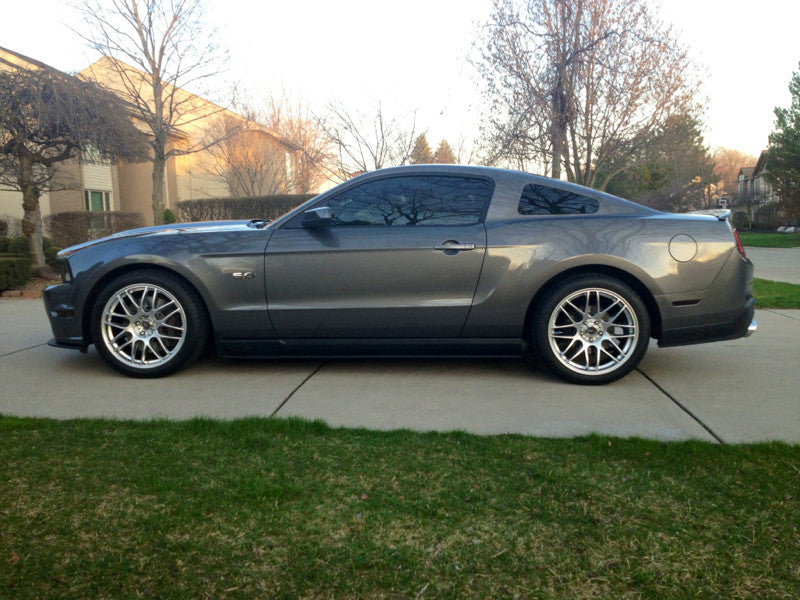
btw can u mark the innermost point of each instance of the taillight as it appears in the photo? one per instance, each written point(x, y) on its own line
point(739, 245)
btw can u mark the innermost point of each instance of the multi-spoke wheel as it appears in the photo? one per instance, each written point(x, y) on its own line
point(591, 329)
point(148, 324)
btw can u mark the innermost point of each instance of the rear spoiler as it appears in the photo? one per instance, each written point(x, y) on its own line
point(722, 215)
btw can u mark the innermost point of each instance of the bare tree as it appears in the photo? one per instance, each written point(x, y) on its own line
point(46, 118)
point(169, 48)
point(727, 163)
point(580, 84)
point(293, 121)
point(367, 141)
point(250, 159)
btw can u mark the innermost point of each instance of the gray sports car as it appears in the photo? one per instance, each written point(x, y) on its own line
point(411, 261)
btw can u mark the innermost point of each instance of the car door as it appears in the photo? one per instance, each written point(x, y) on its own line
point(393, 257)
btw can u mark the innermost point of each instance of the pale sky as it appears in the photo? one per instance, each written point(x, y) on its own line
point(411, 55)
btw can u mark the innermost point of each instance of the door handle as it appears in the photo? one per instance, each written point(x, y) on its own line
point(453, 247)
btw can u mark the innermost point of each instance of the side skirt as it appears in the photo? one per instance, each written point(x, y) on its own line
point(369, 348)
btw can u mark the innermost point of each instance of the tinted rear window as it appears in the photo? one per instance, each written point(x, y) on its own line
point(544, 200)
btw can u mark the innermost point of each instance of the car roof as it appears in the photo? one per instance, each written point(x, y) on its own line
point(520, 178)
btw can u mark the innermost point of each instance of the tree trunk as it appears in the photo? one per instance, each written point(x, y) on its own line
point(159, 167)
point(32, 219)
point(557, 133)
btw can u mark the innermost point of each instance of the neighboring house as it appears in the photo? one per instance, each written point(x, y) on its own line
point(752, 183)
point(93, 184)
point(745, 181)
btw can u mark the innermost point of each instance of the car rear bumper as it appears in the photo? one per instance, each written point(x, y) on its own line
point(741, 324)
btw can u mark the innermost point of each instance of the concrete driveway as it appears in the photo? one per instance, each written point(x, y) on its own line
point(740, 391)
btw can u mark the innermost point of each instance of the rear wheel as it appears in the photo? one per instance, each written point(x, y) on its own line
point(148, 324)
point(591, 329)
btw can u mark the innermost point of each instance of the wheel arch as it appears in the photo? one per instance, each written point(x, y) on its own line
point(634, 282)
point(101, 283)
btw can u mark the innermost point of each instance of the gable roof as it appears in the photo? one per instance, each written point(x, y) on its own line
point(111, 72)
point(10, 60)
point(746, 172)
point(761, 165)
point(14, 60)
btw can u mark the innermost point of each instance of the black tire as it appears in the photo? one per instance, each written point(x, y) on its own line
point(148, 324)
point(590, 329)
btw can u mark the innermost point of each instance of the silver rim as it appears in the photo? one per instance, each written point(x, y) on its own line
point(144, 325)
point(593, 331)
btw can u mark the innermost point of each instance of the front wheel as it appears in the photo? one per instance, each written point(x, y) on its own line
point(591, 329)
point(148, 324)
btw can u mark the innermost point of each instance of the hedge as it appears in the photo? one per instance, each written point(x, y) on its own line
point(15, 271)
point(768, 216)
point(740, 220)
point(18, 246)
point(234, 209)
point(70, 228)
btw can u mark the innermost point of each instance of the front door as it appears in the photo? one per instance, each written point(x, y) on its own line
point(399, 258)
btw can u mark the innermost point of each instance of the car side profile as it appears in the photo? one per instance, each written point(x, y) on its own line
point(413, 261)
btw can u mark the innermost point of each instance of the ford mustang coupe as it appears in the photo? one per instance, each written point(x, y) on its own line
point(411, 261)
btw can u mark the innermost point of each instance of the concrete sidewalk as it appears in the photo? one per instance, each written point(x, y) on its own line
point(776, 264)
point(740, 391)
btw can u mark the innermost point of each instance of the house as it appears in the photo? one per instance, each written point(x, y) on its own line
point(753, 184)
point(219, 153)
point(745, 181)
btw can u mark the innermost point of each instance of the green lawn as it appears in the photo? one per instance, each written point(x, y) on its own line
point(776, 294)
point(290, 509)
point(770, 240)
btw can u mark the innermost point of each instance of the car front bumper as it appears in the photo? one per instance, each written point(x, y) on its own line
point(66, 320)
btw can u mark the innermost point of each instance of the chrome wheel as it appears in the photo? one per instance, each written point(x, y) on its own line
point(593, 331)
point(143, 325)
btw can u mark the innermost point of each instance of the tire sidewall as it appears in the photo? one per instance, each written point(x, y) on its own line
point(196, 323)
point(540, 328)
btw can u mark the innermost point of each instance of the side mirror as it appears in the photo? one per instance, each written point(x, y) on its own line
point(317, 217)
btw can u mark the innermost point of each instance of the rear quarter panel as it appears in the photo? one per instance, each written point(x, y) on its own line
point(526, 253)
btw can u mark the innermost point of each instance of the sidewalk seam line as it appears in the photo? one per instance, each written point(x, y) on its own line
point(684, 408)
point(296, 389)
point(775, 312)
point(21, 350)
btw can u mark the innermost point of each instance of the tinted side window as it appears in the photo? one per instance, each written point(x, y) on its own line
point(544, 200)
point(407, 201)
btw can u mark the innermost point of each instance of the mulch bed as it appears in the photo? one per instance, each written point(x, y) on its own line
point(31, 290)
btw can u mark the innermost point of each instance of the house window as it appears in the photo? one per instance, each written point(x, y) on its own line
point(95, 200)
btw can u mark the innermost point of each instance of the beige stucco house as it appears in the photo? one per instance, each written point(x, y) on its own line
point(200, 169)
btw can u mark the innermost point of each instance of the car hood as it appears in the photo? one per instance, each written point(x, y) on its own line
point(173, 229)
